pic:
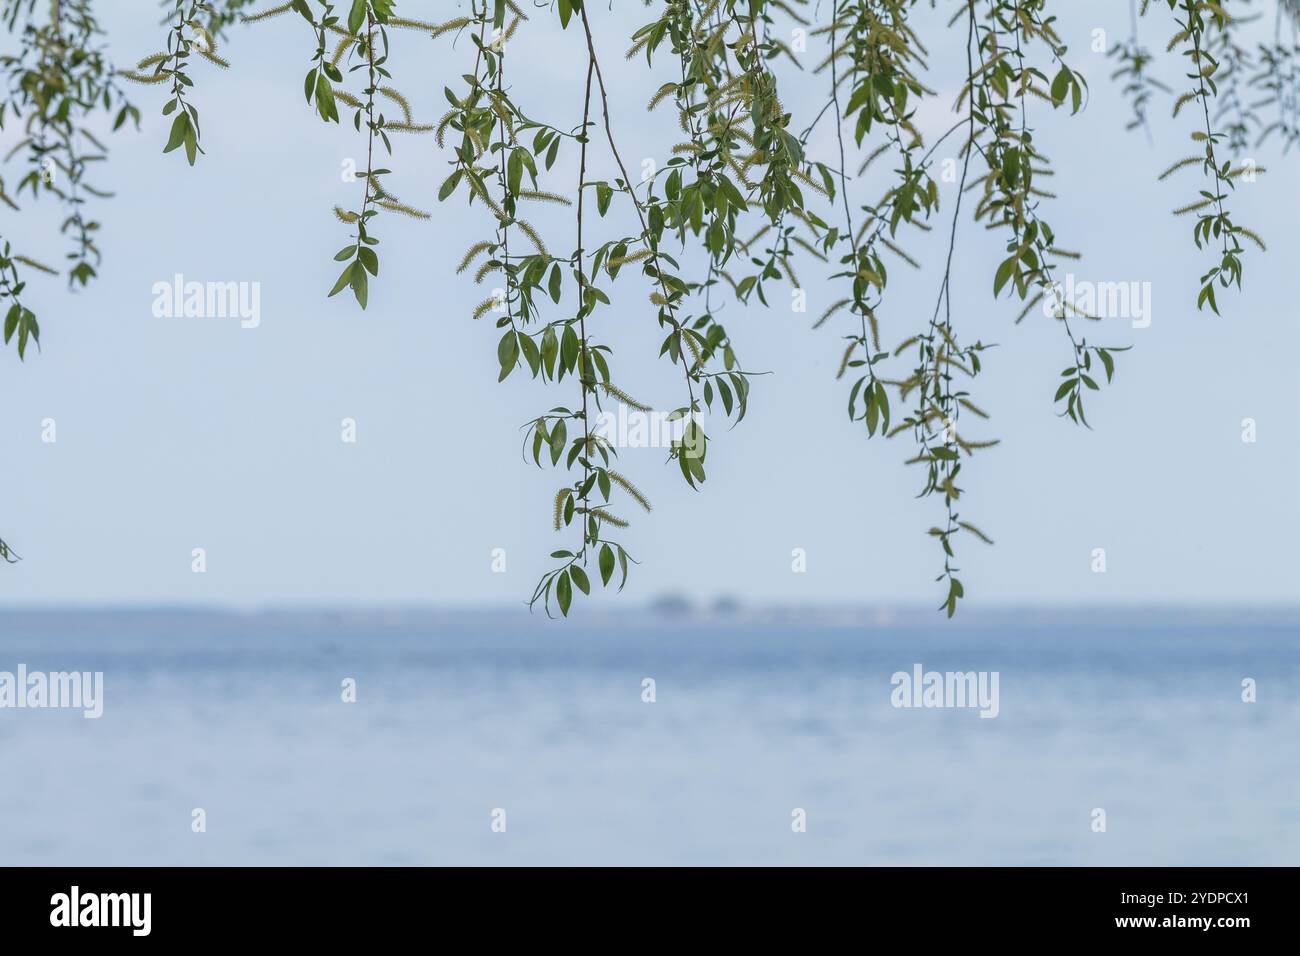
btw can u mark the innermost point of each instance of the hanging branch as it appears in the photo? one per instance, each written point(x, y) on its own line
point(187, 37)
point(741, 169)
point(1214, 222)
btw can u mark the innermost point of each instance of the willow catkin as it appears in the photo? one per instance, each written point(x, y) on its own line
point(399, 99)
point(613, 390)
point(266, 14)
point(561, 497)
point(471, 254)
point(541, 195)
point(533, 236)
point(630, 488)
point(831, 311)
point(603, 515)
point(975, 531)
point(448, 26)
point(623, 260)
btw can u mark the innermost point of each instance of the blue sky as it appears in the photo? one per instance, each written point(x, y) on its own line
point(181, 433)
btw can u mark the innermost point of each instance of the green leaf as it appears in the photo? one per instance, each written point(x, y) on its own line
point(1108, 362)
point(580, 579)
point(550, 350)
point(325, 105)
point(955, 591)
point(1061, 85)
point(606, 564)
point(357, 16)
point(569, 346)
point(507, 353)
point(564, 592)
point(514, 170)
point(344, 278)
point(1003, 274)
point(360, 284)
point(559, 435)
point(180, 126)
point(369, 259)
point(449, 186)
point(531, 354)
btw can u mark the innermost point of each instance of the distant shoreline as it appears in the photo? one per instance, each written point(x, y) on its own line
point(661, 613)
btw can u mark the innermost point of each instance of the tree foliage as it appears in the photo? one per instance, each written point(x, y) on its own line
point(740, 206)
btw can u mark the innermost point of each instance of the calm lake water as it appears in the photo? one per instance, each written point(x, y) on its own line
point(458, 715)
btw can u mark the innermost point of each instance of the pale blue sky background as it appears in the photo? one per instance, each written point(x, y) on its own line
point(181, 433)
